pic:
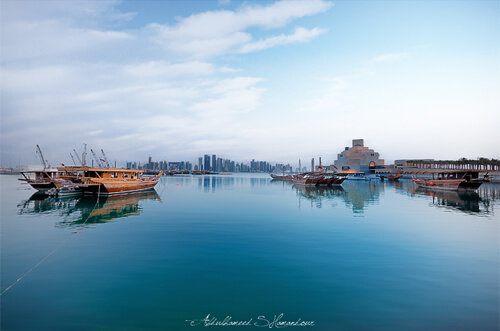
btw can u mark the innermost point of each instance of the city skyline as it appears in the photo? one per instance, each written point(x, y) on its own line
point(277, 81)
point(213, 164)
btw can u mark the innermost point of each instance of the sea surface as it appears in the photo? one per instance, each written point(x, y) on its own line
point(243, 252)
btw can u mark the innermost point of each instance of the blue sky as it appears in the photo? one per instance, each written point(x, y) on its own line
point(274, 81)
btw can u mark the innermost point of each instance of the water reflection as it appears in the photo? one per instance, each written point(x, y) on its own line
point(362, 194)
point(319, 195)
point(75, 211)
point(355, 195)
point(467, 202)
point(214, 183)
point(481, 201)
point(358, 195)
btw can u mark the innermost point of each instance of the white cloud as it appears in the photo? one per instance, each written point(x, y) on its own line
point(232, 84)
point(68, 71)
point(52, 39)
point(300, 35)
point(219, 32)
point(229, 97)
point(35, 80)
point(165, 69)
point(388, 57)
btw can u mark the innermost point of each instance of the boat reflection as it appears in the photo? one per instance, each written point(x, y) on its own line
point(86, 210)
point(319, 195)
point(481, 201)
point(467, 202)
point(356, 195)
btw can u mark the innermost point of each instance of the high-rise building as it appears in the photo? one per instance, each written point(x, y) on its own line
point(220, 164)
point(207, 163)
point(200, 163)
point(214, 163)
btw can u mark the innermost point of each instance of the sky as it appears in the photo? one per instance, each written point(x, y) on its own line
point(266, 80)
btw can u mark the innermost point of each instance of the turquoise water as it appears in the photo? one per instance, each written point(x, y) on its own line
point(368, 256)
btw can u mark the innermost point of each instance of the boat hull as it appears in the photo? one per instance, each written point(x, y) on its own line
point(112, 188)
point(448, 184)
point(305, 181)
point(42, 186)
point(278, 177)
point(331, 181)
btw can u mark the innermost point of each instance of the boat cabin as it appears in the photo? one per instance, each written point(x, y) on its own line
point(467, 175)
point(109, 173)
point(47, 175)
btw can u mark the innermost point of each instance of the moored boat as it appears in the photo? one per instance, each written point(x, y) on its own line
point(307, 179)
point(281, 177)
point(108, 181)
point(358, 176)
point(337, 180)
point(451, 180)
point(44, 180)
point(70, 190)
point(394, 177)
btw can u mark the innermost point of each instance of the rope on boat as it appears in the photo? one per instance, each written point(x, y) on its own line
point(55, 250)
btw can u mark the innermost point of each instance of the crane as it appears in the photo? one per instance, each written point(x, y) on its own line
point(96, 159)
point(78, 158)
point(105, 159)
point(39, 151)
point(72, 158)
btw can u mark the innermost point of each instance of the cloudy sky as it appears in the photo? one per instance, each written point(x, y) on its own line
point(274, 81)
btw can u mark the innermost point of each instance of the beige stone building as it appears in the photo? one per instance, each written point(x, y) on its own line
point(358, 158)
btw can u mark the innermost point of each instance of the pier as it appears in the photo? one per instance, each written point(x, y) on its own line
point(481, 164)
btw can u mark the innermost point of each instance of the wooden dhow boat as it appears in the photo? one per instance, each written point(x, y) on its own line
point(281, 177)
point(451, 180)
point(307, 179)
point(318, 179)
point(109, 181)
point(46, 179)
point(394, 177)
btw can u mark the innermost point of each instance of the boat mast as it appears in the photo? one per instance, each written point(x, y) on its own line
point(84, 155)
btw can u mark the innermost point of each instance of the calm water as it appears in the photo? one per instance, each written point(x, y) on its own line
point(368, 256)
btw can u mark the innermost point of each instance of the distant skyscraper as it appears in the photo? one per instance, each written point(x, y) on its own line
point(200, 163)
point(207, 163)
point(214, 163)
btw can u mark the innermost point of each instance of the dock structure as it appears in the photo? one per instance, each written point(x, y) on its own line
point(481, 164)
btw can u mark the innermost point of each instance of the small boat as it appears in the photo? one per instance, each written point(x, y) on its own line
point(452, 180)
point(281, 177)
point(69, 191)
point(394, 177)
point(358, 176)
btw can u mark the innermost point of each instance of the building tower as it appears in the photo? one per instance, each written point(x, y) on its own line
point(207, 163)
point(358, 158)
